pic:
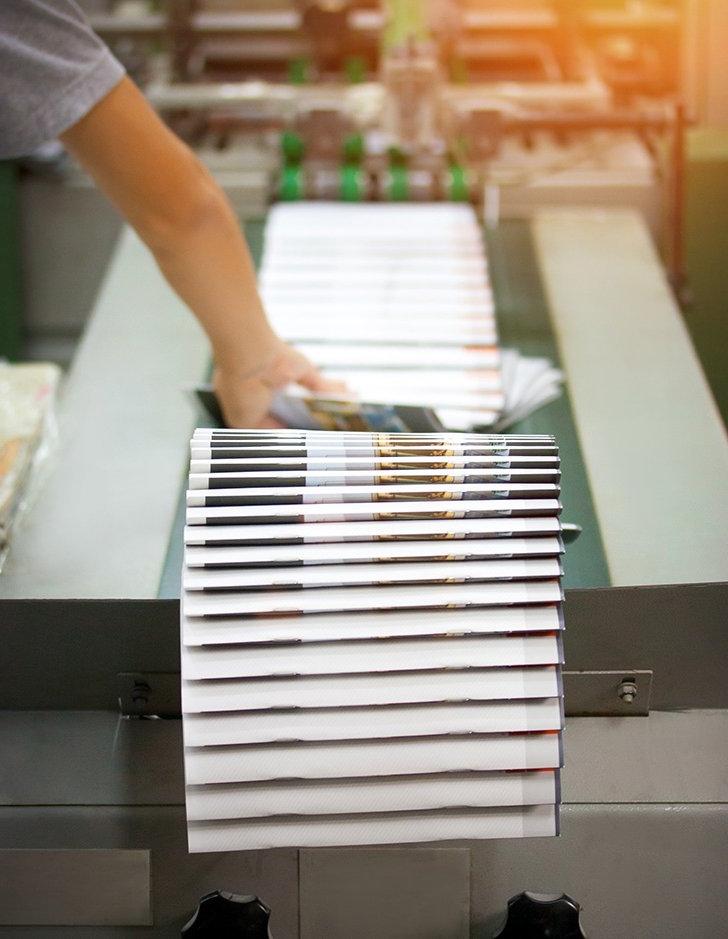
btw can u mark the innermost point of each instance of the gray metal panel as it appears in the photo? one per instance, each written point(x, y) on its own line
point(678, 631)
point(653, 871)
point(647, 871)
point(68, 233)
point(670, 757)
point(91, 887)
point(178, 878)
point(91, 758)
point(68, 654)
point(654, 444)
point(100, 525)
point(407, 893)
point(607, 693)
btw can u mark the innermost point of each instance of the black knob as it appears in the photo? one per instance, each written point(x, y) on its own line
point(537, 916)
point(228, 916)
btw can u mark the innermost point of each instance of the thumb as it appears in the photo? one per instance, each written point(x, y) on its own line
point(315, 381)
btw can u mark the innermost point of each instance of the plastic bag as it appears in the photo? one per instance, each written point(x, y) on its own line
point(28, 437)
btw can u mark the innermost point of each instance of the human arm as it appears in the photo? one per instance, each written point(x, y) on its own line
point(182, 215)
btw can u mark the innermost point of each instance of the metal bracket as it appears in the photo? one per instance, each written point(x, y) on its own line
point(149, 694)
point(608, 693)
point(586, 694)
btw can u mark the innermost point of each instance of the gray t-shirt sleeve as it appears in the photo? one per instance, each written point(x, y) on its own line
point(53, 70)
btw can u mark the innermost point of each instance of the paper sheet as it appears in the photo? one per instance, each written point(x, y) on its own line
point(243, 556)
point(391, 794)
point(368, 829)
point(465, 621)
point(378, 723)
point(334, 691)
point(320, 532)
point(303, 495)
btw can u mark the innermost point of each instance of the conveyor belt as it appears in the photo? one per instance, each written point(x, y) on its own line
point(524, 323)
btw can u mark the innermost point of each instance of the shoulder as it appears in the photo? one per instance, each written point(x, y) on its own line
point(53, 69)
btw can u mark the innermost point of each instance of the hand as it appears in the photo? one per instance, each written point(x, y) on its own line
point(245, 399)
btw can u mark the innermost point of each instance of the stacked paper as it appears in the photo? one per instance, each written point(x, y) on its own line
point(27, 396)
point(371, 643)
point(529, 382)
point(394, 300)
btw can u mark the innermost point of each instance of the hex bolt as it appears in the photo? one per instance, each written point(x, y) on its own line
point(140, 694)
point(627, 690)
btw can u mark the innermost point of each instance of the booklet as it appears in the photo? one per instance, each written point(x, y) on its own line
point(334, 414)
point(380, 624)
point(422, 756)
point(281, 555)
point(450, 571)
point(313, 692)
point(238, 447)
point(353, 656)
point(328, 830)
point(304, 495)
point(444, 529)
point(27, 434)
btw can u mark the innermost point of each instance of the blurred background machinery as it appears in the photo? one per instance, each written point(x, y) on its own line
point(519, 105)
point(522, 104)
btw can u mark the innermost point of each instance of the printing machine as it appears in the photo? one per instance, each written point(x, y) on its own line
point(488, 122)
point(92, 825)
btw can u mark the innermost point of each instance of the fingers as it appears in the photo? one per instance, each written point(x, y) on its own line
point(338, 387)
point(317, 382)
point(270, 423)
point(287, 368)
point(291, 367)
point(327, 386)
point(244, 403)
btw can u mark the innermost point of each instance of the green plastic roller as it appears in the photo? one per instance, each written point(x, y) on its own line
point(353, 148)
point(292, 147)
point(353, 186)
point(291, 187)
point(457, 183)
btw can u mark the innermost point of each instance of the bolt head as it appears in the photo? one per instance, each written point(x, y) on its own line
point(627, 691)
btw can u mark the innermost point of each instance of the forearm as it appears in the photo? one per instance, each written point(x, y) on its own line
point(183, 216)
point(207, 262)
point(180, 212)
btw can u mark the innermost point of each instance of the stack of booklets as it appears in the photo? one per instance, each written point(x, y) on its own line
point(371, 638)
point(394, 300)
point(27, 398)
